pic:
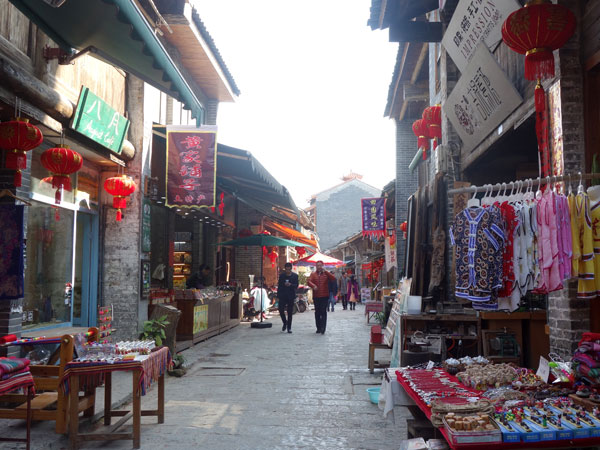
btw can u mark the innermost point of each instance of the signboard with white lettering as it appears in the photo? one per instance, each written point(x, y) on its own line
point(481, 100)
point(97, 120)
point(472, 22)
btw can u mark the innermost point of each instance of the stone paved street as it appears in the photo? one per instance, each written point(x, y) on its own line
point(264, 389)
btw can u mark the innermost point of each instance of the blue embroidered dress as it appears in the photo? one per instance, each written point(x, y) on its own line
point(478, 237)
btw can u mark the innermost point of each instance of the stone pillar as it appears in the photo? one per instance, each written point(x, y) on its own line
point(569, 317)
point(121, 284)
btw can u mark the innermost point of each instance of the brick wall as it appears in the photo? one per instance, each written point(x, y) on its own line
point(339, 214)
point(568, 316)
point(122, 240)
point(406, 182)
point(247, 259)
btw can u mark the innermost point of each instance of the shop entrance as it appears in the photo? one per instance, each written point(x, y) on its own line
point(85, 279)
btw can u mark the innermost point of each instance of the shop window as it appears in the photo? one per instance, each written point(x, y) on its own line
point(48, 266)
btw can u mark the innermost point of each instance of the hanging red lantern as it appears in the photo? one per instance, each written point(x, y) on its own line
point(273, 257)
point(403, 228)
point(420, 129)
point(432, 115)
point(301, 251)
point(221, 204)
point(536, 30)
point(120, 187)
point(265, 251)
point(62, 162)
point(17, 137)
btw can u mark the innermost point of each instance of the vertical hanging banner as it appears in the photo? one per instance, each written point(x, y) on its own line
point(373, 217)
point(391, 259)
point(11, 252)
point(191, 167)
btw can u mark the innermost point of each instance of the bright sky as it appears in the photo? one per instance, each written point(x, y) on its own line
point(314, 80)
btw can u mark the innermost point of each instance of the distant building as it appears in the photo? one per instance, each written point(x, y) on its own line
point(336, 211)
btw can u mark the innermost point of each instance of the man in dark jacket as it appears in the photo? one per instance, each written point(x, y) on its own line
point(286, 293)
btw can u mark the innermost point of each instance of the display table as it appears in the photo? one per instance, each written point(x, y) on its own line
point(144, 370)
point(567, 443)
point(203, 318)
point(23, 380)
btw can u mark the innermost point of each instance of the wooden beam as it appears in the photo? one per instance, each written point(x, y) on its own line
point(415, 92)
point(409, 9)
point(410, 31)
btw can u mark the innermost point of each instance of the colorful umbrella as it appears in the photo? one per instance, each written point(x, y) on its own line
point(311, 260)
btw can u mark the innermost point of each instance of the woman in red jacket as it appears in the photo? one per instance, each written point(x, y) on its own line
point(319, 283)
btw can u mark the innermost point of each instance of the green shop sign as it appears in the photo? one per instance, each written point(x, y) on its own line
point(97, 120)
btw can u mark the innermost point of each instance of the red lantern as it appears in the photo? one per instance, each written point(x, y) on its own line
point(403, 228)
point(62, 162)
point(301, 251)
point(273, 257)
point(120, 187)
point(535, 31)
point(420, 129)
point(17, 137)
point(432, 115)
point(265, 251)
point(221, 204)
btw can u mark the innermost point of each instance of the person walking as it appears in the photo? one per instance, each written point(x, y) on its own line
point(319, 283)
point(286, 293)
point(343, 289)
point(333, 290)
point(353, 292)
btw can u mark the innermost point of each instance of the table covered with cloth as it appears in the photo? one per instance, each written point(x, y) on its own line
point(91, 374)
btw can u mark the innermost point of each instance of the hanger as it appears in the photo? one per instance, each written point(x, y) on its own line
point(570, 186)
point(473, 201)
point(8, 193)
point(580, 188)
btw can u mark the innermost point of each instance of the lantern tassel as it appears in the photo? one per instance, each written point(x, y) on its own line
point(56, 214)
point(57, 197)
point(541, 129)
point(17, 179)
point(119, 215)
point(540, 98)
point(539, 64)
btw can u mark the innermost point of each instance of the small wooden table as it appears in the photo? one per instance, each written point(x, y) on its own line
point(376, 364)
point(372, 308)
point(80, 375)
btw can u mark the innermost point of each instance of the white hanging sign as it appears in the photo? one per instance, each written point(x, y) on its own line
point(472, 22)
point(482, 98)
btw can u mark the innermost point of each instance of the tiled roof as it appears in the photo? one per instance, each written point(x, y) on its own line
point(211, 43)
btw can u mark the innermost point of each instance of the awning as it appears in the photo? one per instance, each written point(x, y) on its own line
point(117, 32)
point(290, 233)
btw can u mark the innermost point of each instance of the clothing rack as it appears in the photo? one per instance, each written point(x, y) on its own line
point(525, 183)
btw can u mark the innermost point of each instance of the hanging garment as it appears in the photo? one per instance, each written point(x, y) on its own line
point(575, 241)
point(595, 213)
point(583, 244)
point(509, 295)
point(550, 279)
point(565, 235)
point(478, 239)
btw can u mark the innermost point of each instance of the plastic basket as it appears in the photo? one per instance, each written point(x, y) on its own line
point(473, 437)
point(374, 394)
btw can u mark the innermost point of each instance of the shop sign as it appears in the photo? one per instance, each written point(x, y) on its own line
point(146, 281)
point(373, 216)
point(472, 22)
point(200, 318)
point(391, 260)
point(191, 167)
point(97, 120)
point(12, 244)
point(146, 225)
point(481, 100)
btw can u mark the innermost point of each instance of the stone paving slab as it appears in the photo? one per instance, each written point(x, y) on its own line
point(262, 389)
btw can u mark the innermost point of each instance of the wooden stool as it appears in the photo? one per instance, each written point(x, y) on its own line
point(376, 364)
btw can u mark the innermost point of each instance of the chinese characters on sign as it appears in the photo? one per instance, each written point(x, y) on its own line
point(373, 217)
point(191, 167)
point(96, 119)
point(472, 22)
point(556, 132)
point(391, 260)
point(481, 100)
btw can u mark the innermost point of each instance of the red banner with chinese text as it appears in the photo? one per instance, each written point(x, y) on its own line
point(191, 167)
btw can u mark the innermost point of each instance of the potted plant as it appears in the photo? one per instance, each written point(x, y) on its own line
point(155, 330)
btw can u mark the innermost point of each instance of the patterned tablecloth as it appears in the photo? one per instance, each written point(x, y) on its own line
point(18, 380)
point(152, 367)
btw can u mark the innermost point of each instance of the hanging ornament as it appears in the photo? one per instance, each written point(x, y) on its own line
point(420, 130)
point(17, 137)
point(536, 30)
point(62, 162)
point(221, 204)
point(301, 251)
point(265, 251)
point(403, 228)
point(120, 187)
point(273, 257)
point(432, 115)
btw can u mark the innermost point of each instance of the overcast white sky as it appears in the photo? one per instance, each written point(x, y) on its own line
point(314, 80)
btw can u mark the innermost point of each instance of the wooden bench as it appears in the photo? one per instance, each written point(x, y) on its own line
point(373, 364)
